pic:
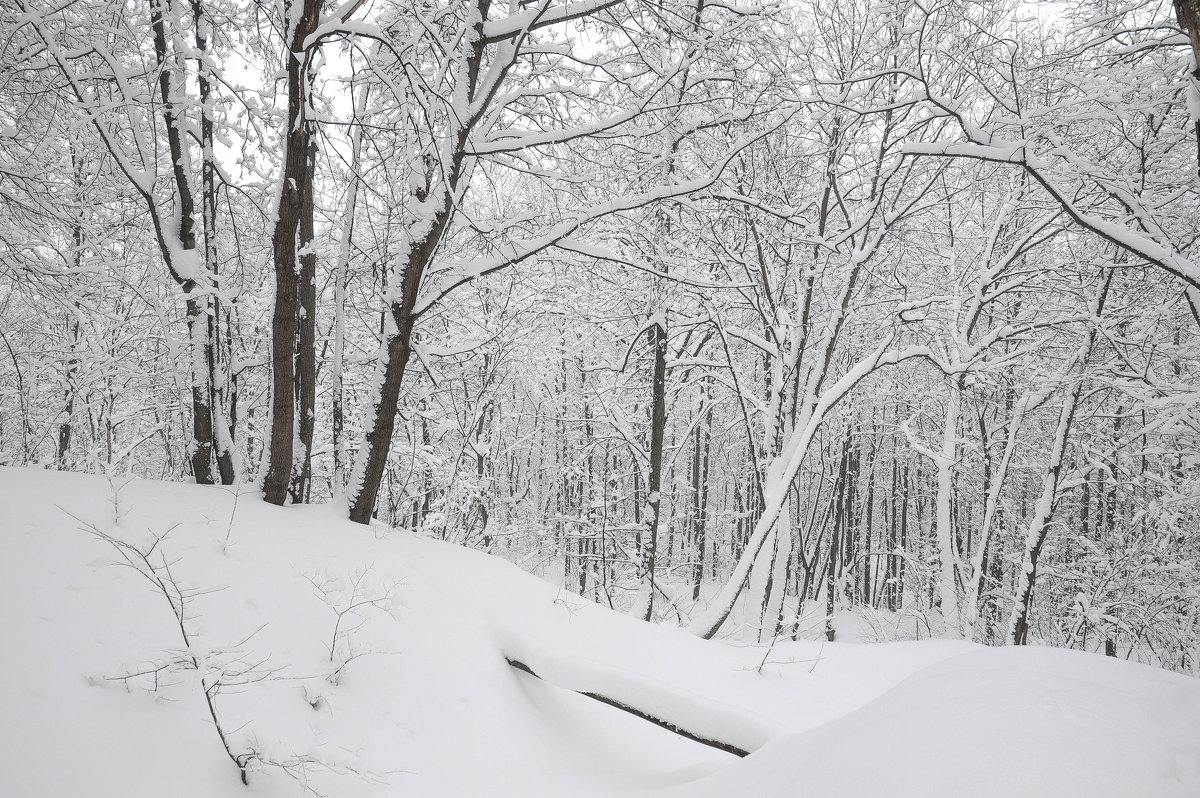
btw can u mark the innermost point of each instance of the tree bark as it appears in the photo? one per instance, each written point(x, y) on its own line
point(658, 425)
point(670, 726)
point(396, 345)
point(295, 179)
point(947, 545)
point(395, 353)
point(187, 275)
point(1188, 14)
point(339, 301)
point(306, 342)
point(222, 430)
point(700, 467)
point(1039, 525)
point(70, 390)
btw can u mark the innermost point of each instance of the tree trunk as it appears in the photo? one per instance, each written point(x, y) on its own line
point(1039, 524)
point(947, 546)
point(364, 483)
point(223, 447)
point(294, 180)
point(1018, 627)
point(700, 496)
point(783, 470)
point(658, 424)
point(394, 353)
point(1188, 14)
point(202, 423)
point(306, 343)
point(178, 248)
point(69, 393)
point(396, 343)
point(341, 278)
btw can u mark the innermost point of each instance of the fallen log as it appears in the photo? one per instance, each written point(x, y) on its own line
point(728, 748)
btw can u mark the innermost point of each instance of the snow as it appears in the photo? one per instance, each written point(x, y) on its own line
point(1000, 722)
point(1122, 235)
point(417, 697)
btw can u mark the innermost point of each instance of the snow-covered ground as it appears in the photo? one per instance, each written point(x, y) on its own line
point(360, 662)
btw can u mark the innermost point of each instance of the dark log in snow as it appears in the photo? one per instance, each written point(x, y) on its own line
point(728, 748)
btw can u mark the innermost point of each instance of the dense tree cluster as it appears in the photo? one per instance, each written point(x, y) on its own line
point(742, 316)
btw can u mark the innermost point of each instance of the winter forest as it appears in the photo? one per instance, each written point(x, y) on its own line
point(793, 323)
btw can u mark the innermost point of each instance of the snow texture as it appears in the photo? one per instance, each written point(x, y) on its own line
point(408, 690)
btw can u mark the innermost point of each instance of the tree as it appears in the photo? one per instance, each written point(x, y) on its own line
point(480, 76)
point(294, 317)
point(103, 79)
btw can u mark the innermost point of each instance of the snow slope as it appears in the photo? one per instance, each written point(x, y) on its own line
point(365, 662)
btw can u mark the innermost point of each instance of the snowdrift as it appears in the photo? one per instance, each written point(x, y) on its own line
point(163, 639)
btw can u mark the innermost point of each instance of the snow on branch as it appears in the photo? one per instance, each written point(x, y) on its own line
point(1015, 152)
point(540, 17)
point(512, 253)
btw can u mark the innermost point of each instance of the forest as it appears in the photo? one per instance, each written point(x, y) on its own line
point(775, 321)
point(780, 324)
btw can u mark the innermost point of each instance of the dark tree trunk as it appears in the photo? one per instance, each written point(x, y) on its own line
point(197, 298)
point(903, 537)
point(295, 179)
point(669, 725)
point(893, 499)
point(202, 425)
point(306, 344)
point(397, 351)
point(1044, 508)
point(867, 594)
point(700, 466)
point(379, 437)
point(840, 501)
point(222, 436)
point(658, 424)
point(1188, 14)
point(397, 346)
point(65, 428)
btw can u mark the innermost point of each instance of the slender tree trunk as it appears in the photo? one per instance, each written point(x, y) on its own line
point(903, 539)
point(223, 447)
point(69, 392)
point(893, 502)
point(1018, 625)
point(851, 545)
point(396, 344)
point(341, 277)
point(947, 546)
point(831, 583)
point(1039, 524)
point(838, 536)
point(1188, 14)
point(991, 510)
point(784, 468)
point(658, 425)
point(867, 595)
point(776, 592)
point(394, 353)
point(700, 476)
point(306, 343)
point(303, 16)
point(178, 248)
point(72, 370)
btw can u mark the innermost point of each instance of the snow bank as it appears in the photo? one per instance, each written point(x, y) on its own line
point(1002, 722)
point(360, 662)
